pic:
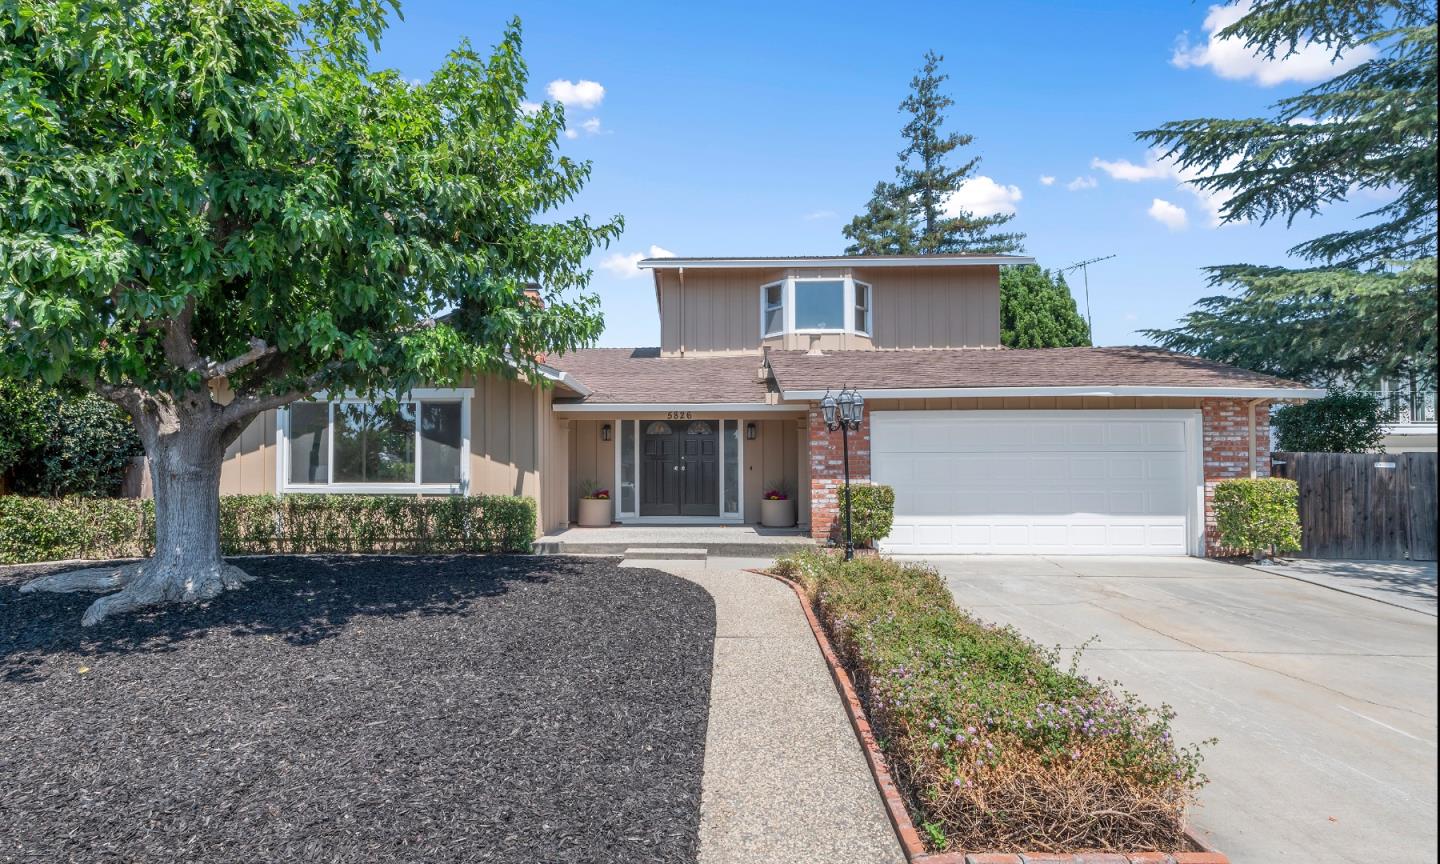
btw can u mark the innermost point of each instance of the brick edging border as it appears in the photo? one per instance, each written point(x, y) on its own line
point(899, 814)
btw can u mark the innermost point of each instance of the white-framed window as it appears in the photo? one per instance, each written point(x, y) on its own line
point(772, 309)
point(420, 442)
point(815, 304)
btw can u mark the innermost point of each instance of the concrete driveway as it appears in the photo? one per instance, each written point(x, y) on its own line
point(1324, 702)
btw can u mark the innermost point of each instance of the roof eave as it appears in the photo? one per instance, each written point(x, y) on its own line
point(658, 264)
point(1127, 390)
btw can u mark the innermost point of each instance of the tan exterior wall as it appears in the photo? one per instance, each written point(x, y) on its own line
point(776, 458)
point(718, 311)
point(249, 467)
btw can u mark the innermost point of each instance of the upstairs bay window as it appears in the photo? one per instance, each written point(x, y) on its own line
point(815, 305)
point(416, 444)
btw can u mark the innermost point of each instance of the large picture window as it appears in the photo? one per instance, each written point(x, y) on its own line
point(416, 443)
point(808, 304)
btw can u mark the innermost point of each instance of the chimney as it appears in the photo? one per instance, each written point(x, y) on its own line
point(531, 290)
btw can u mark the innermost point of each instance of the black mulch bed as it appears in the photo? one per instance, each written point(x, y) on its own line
point(379, 709)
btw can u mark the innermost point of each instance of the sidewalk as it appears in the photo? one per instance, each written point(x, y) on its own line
point(784, 776)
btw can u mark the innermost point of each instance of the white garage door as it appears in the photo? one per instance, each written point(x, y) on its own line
point(1059, 482)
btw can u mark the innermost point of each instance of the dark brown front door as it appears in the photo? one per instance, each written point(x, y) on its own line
point(680, 468)
point(700, 469)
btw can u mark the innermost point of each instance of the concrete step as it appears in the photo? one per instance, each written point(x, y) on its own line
point(720, 549)
point(665, 553)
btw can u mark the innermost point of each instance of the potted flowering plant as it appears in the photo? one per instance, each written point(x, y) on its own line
point(595, 509)
point(777, 509)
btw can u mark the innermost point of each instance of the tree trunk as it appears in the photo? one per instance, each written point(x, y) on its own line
point(185, 449)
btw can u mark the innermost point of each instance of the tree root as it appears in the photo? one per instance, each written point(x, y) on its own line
point(86, 579)
point(143, 584)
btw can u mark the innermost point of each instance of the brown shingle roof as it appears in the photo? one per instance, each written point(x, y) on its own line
point(641, 375)
point(1028, 367)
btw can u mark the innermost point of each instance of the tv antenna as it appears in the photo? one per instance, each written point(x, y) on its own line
point(1084, 268)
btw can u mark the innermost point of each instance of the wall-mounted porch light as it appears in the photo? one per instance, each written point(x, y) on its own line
point(605, 432)
point(750, 432)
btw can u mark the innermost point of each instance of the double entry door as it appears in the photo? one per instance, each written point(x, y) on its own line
point(680, 468)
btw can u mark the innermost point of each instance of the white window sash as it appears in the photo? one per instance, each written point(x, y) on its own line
point(849, 292)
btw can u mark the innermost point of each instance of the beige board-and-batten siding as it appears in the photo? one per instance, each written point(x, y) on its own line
point(719, 310)
point(775, 459)
point(514, 439)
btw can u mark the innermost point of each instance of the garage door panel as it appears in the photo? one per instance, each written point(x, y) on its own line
point(1075, 481)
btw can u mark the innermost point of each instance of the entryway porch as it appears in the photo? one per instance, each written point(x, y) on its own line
point(739, 541)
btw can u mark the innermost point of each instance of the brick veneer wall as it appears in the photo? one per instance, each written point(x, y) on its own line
point(827, 472)
point(1225, 434)
point(1225, 428)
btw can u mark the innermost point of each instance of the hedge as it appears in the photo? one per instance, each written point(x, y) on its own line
point(996, 747)
point(872, 513)
point(1255, 515)
point(49, 529)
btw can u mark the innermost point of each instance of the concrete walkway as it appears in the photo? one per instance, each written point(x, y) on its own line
point(784, 776)
point(1407, 584)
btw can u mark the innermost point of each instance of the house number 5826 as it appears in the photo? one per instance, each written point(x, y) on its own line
point(677, 415)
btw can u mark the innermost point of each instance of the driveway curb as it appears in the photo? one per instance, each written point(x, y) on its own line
point(899, 814)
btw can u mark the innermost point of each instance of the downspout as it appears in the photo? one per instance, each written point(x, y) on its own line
point(682, 311)
point(1250, 407)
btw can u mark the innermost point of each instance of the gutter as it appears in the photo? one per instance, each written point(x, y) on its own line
point(836, 261)
point(559, 376)
point(1257, 393)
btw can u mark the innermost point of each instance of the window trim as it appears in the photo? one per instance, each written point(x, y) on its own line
point(855, 307)
point(417, 395)
point(787, 306)
point(766, 308)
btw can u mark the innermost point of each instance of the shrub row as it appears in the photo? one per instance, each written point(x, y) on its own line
point(996, 747)
point(49, 529)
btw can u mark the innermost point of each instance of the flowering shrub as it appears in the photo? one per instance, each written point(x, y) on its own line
point(777, 495)
point(593, 491)
point(997, 748)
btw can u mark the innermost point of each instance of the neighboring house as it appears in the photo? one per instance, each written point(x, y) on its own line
point(1410, 417)
point(1066, 450)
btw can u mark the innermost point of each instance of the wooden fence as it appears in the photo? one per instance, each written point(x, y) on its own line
point(1378, 506)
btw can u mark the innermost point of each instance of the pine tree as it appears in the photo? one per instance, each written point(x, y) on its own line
point(1368, 309)
point(914, 215)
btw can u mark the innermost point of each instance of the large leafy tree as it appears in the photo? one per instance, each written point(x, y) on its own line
point(211, 208)
point(1355, 313)
point(912, 215)
point(1037, 311)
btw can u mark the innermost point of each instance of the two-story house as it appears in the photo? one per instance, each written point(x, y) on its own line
point(1068, 450)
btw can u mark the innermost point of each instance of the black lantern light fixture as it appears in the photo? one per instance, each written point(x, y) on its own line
point(844, 412)
point(605, 432)
point(750, 431)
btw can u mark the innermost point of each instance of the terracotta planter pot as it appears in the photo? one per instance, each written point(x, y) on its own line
point(777, 514)
point(595, 512)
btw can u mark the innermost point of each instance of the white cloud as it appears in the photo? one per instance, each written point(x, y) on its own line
point(1167, 214)
point(576, 94)
point(572, 134)
point(1124, 169)
point(1047, 180)
point(591, 126)
point(1156, 168)
point(1082, 183)
point(1230, 58)
point(983, 197)
point(626, 266)
point(816, 215)
point(530, 108)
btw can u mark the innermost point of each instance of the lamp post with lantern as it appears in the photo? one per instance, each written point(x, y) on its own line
point(844, 412)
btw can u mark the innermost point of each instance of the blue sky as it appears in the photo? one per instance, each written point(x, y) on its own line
point(760, 129)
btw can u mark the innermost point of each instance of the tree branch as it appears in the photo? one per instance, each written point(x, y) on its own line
point(209, 369)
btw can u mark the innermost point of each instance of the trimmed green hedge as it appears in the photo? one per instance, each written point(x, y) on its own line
point(872, 513)
point(997, 745)
point(50, 529)
point(1260, 514)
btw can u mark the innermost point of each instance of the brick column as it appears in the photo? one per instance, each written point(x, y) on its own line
point(1225, 430)
point(827, 472)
